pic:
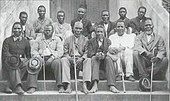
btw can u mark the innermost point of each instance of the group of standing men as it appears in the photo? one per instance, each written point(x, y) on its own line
point(116, 47)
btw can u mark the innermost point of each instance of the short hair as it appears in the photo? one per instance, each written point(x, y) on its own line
point(41, 6)
point(49, 25)
point(148, 18)
point(77, 22)
point(23, 12)
point(100, 26)
point(122, 8)
point(60, 11)
point(141, 8)
point(105, 11)
point(120, 21)
point(83, 6)
point(15, 24)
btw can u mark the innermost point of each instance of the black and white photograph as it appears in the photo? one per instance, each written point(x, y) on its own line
point(84, 50)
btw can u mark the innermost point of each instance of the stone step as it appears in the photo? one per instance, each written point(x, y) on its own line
point(98, 96)
point(130, 86)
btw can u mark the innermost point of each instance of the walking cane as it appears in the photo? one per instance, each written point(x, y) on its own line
point(75, 72)
point(152, 76)
point(44, 83)
point(123, 80)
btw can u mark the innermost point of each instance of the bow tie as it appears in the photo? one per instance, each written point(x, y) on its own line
point(17, 38)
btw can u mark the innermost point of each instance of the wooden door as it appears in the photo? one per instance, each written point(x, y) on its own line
point(94, 8)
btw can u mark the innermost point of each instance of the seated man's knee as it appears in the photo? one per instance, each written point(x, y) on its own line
point(93, 58)
point(165, 60)
point(135, 53)
point(64, 59)
point(56, 61)
point(87, 60)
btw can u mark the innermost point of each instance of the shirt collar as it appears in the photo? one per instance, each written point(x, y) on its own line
point(120, 36)
point(17, 38)
point(150, 34)
point(122, 19)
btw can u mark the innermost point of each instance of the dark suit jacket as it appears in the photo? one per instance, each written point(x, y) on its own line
point(17, 48)
point(111, 26)
point(93, 47)
point(137, 25)
point(11, 47)
point(142, 45)
point(87, 26)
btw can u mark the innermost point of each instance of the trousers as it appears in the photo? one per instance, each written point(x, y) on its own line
point(109, 67)
point(66, 65)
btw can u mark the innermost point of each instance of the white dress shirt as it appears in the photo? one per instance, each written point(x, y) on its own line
point(149, 37)
point(126, 40)
point(106, 27)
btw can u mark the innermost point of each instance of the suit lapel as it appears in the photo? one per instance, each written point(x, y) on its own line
point(145, 41)
point(151, 44)
point(104, 45)
point(95, 44)
point(153, 41)
point(108, 29)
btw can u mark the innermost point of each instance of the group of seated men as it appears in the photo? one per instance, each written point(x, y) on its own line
point(108, 48)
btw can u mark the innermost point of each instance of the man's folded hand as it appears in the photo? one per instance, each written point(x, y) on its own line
point(113, 50)
point(155, 59)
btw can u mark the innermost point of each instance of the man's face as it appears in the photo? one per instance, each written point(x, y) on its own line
point(141, 13)
point(78, 28)
point(148, 27)
point(122, 13)
point(120, 28)
point(81, 12)
point(105, 16)
point(100, 33)
point(41, 12)
point(61, 17)
point(23, 18)
point(17, 30)
point(48, 31)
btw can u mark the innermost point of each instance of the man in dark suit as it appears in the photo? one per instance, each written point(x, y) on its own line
point(108, 25)
point(87, 26)
point(139, 21)
point(150, 48)
point(18, 46)
point(97, 51)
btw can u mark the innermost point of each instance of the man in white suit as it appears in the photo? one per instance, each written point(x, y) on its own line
point(121, 50)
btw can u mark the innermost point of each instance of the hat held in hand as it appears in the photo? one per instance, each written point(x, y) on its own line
point(13, 62)
point(145, 84)
point(34, 65)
